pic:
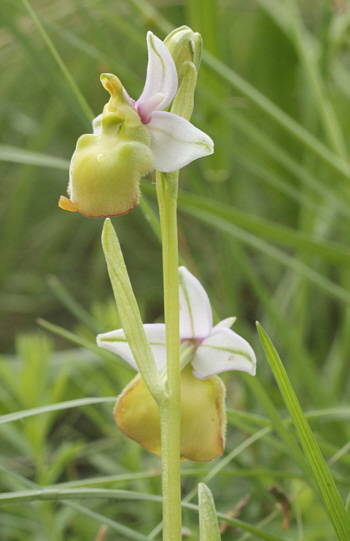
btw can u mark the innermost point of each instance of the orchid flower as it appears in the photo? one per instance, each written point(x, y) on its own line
point(175, 142)
point(130, 138)
point(215, 349)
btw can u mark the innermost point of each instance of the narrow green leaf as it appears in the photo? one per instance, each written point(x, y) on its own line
point(20, 155)
point(19, 415)
point(72, 305)
point(325, 482)
point(307, 49)
point(74, 87)
point(292, 447)
point(140, 476)
point(332, 289)
point(75, 494)
point(37, 494)
point(279, 116)
point(208, 522)
point(83, 342)
point(112, 524)
point(206, 210)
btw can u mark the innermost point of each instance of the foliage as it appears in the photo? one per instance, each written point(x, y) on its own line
point(264, 224)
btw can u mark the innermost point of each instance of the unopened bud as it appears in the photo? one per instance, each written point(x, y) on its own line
point(184, 45)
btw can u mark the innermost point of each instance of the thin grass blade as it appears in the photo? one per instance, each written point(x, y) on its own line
point(325, 482)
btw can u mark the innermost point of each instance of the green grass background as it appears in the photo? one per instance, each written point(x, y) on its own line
point(264, 224)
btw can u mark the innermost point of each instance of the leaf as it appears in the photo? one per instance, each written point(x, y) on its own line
point(325, 482)
point(19, 415)
point(20, 155)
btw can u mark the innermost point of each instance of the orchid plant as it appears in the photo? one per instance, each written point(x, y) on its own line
point(175, 406)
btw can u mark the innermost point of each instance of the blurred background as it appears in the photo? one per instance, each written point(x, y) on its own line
point(263, 223)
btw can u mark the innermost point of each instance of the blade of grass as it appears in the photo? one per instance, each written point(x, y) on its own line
point(83, 342)
point(292, 447)
point(19, 415)
point(279, 116)
point(287, 161)
point(129, 477)
point(296, 349)
point(213, 219)
point(75, 494)
point(71, 82)
point(20, 155)
point(66, 298)
point(113, 524)
point(38, 494)
point(207, 210)
point(325, 482)
point(307, 48)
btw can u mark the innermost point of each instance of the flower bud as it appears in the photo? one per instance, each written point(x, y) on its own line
point(184, 45)
point(106, 166)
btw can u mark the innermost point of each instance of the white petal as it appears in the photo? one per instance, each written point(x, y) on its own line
point(161, 73)
point(196, 319)
point(97, 125)
point(223, 350)
point(175, 142)
point(116, 342)
point(228, 322)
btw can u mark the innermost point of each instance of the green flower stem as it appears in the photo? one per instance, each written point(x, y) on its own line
point(170, 409)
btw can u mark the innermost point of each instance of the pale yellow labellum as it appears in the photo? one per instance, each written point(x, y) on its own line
point(203, 419)
point(106, 167)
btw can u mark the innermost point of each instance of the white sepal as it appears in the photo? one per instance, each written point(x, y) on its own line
point(175, 142)
point(223, 350)
point(116, 342)
point(196, 319)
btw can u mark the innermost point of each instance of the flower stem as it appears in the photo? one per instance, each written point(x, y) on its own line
point(170, 410)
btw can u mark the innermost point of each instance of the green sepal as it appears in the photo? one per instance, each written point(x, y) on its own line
point(184, 100)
